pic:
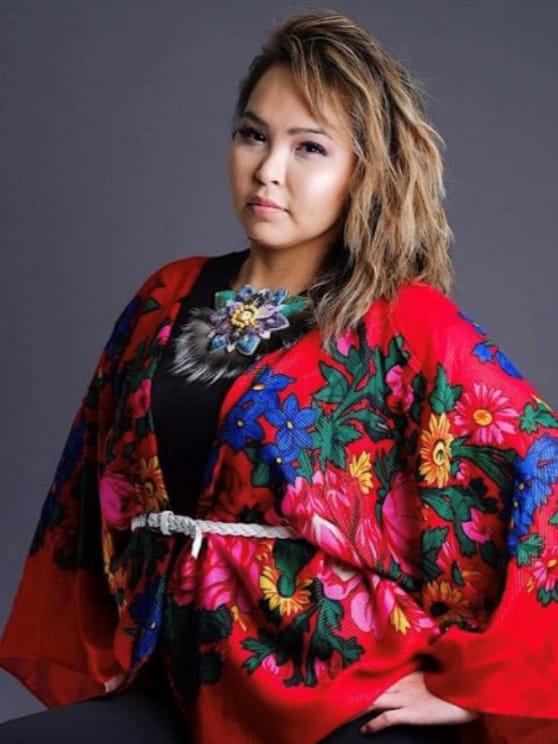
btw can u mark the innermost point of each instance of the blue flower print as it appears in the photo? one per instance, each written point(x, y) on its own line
point(535, 476)
point(472, 321)
point(147, 610)
point(122, 328)
point(242, 319)
point(507, 365)
point(280, 462)
point(483, 351)
point(487, 351)
point(264, 389)
point(72, 452)
point(292, 423)
point(209, 466)
point(241, 426)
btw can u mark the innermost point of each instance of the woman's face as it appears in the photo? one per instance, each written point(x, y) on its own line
point(280, 153)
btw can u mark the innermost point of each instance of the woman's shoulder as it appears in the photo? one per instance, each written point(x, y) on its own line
point(173, 273)
point(421, 299)
point(179, 275)
point(432, 323)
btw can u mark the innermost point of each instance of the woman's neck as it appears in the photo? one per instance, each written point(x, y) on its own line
point(280, 269)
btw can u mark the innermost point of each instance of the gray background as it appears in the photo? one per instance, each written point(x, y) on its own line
point(115, 123)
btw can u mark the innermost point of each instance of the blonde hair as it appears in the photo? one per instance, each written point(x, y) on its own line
point(395, 227)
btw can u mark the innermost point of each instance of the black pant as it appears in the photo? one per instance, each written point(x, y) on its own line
point(141, 716)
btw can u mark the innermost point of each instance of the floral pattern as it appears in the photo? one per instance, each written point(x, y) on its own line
point(421, 483)
point(242, 319)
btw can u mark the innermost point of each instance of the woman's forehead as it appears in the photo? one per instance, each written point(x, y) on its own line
point(277, 98)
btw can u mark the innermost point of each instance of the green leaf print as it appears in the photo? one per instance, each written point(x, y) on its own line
point(444, 396)
point(490, 553)
point(305, 465)
point(261, 474)
point(535, 416)
point(386, 466)
point(546, 598)
point(149, 305)
point(495, 462)
point(377, 388)
point(456, 575)
point(419, 389)
point(432, 540)
point(292, 555)
point(377, 427)
point(263, 646)
point(439, 502)
point(529, 549)
point(331, 613)
point(454, 504)
point(336, 388)
point(331, 439)
point(210, 665)
point(214, 625)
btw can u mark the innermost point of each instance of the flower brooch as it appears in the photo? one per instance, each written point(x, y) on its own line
point(242, 319)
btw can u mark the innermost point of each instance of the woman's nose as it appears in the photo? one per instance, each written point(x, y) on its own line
point(271, 168)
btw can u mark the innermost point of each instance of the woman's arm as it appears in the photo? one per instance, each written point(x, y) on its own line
point(487, 473)
point(58, 640)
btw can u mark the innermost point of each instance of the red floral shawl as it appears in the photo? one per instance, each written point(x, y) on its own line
point(421, 474)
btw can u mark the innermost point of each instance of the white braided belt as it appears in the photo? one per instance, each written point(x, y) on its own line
point(167, 522)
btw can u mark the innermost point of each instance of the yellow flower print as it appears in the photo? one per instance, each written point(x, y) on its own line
point(360, 468)
point(152, 487)
point(542, 403)
point(116, 579)
point(399, 620)
point(287, 605)
point(445, 602)
point(435, 451)
point(238, 617)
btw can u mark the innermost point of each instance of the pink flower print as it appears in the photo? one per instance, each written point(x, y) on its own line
point(183, 582)
point(230, 573)
point(478, 529)
point(328, 536)
point(402, 395)
point(362, 612)
point(329, 668)
point(371, 609)
point(270, 665)
point(117, 497)
point(301, 497)
point(337, 579)
point(545, 571)
point(463, 474)
point(139, 400)
point(344, 343)
point(388, 608)
point(402, 522)
point(325, 512)
point(449, 555)
point(369, 542)
point(485, 414)
point(164, 334)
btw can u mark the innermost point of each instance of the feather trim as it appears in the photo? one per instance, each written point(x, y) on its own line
point(194, 361)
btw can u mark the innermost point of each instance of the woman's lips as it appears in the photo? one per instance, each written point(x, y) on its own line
point(262, 210)
point(263, 201)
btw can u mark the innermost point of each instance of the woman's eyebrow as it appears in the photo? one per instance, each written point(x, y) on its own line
point(293, 130)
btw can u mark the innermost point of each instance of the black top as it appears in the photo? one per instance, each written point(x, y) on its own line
point(185, 413)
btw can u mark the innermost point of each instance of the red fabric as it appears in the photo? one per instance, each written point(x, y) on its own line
point(420, 472)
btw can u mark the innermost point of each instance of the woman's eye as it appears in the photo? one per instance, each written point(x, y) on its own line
point(313, 147)
point(249, 133)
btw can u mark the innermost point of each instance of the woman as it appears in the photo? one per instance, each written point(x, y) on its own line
point(373, 486)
